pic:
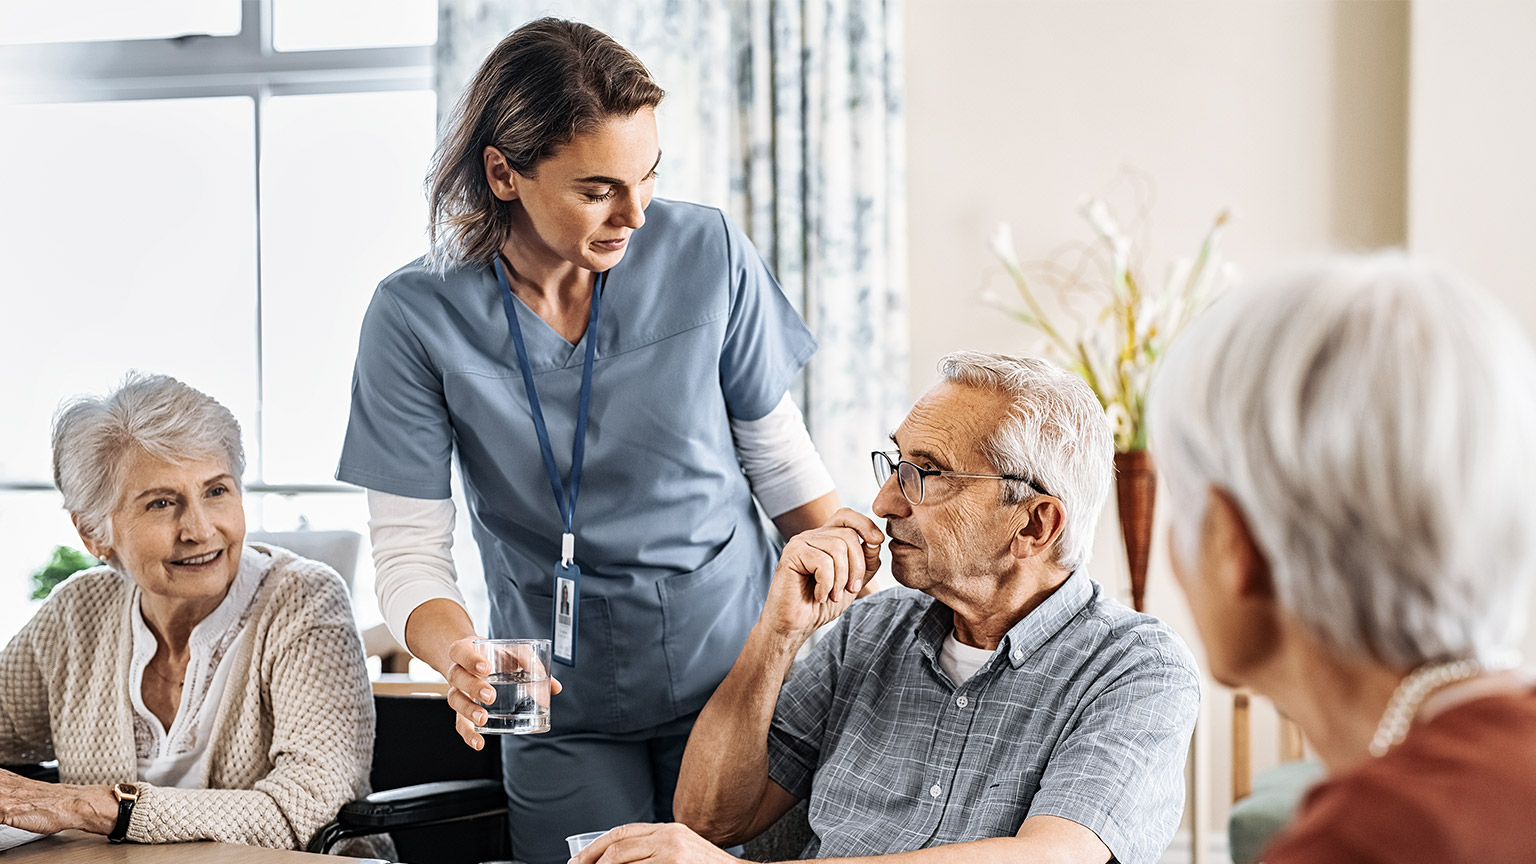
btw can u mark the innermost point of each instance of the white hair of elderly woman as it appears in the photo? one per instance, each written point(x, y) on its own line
point(1373, 418)
point(94, 435)
point(1056, 434)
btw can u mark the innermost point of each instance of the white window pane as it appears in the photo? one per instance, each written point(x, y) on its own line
point(342, 207)
point(31, 524)
point(318, 25)
point(128, 235)
point(28, 21)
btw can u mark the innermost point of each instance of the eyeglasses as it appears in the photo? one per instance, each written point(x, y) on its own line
point(910, 477)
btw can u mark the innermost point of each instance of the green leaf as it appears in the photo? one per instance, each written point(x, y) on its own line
point(64, 563)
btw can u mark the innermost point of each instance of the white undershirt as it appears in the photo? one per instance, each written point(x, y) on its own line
point(179, 756)
point(412, 538)
point(961, 661)
point(779, 459)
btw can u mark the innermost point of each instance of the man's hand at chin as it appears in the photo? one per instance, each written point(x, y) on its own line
point(659, 843)
point(820, 573)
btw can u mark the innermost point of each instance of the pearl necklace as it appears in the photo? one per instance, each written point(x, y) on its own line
point(1414, 689)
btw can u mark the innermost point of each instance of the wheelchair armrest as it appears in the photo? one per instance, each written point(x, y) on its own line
point(411, 807)
point(425, 802)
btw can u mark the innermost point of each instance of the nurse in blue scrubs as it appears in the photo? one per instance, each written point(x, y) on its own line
point(611, 373)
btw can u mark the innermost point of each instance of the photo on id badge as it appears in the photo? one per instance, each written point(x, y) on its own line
point(567, 595)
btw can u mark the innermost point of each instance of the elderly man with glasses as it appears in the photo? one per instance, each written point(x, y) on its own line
point(1004, 710)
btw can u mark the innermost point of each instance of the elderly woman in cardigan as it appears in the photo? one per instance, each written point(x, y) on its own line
point(192, 687)
point(1351, 450)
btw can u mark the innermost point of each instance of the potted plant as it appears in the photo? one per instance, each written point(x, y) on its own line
point(1110, 325)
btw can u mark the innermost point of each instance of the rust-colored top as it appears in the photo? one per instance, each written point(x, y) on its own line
point(1460, 788)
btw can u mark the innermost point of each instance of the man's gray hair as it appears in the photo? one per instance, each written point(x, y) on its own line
point(1373, 418)
point(94, 435)
point(1055, 433)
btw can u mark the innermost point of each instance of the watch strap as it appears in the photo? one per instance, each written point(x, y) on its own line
point(127, 795)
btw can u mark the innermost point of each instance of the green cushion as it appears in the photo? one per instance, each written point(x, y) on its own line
point(1258, 818)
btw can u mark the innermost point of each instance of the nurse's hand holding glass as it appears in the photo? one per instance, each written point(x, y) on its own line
point(611, 372)
point(472, 692)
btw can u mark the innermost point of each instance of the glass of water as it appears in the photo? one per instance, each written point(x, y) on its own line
point(520, 676)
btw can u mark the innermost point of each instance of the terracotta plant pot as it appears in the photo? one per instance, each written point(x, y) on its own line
point(1136, 492)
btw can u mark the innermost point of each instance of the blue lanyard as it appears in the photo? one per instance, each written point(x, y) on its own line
point(567, 513)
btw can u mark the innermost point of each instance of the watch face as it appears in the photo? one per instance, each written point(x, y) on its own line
point(126, 794)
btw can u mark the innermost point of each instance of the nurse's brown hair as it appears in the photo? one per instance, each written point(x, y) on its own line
point(546, 83)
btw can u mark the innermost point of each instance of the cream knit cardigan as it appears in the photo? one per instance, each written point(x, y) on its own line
point(292, 741)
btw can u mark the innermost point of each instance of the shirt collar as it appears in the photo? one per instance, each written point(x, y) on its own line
point(1023, 638)
point(1039, 626)
point(933, 627)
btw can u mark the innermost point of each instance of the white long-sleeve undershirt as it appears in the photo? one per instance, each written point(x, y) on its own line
point(412, 538)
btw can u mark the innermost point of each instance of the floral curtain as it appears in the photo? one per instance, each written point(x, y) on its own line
point(788, 115)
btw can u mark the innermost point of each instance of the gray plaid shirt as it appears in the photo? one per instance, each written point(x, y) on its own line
point(1084, 712)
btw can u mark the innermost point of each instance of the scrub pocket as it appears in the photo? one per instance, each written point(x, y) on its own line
point(586, 701)
point(707, 613)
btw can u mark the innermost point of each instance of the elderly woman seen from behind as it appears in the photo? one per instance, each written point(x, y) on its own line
point(1352, 450)
point(193, 687)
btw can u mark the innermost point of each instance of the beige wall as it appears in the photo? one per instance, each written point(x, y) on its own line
point(1472, 181)
point(1293, 112)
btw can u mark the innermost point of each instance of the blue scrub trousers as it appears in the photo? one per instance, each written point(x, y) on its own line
point(563, 784)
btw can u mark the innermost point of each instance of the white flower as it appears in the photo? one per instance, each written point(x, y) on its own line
point(1002, 245)
point(1178, 277)
point(1126, 323)
point(1120, 422)
point(1098, 215)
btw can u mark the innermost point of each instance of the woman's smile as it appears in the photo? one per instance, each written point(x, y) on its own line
point(198, 562)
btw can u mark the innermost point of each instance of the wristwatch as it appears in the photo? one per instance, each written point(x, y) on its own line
point(126, 794)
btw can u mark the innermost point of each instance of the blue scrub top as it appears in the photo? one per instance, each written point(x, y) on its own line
point(675, 561)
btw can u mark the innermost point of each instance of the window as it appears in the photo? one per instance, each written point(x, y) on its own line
point(210, 190)
point(317, 25)
point(43, 21)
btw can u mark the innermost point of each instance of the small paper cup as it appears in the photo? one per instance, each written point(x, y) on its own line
point(578, 842)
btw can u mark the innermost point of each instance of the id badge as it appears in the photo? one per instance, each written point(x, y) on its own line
point(567, 596)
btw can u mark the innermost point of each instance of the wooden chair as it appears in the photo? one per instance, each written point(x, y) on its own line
point(1292, 747)
point(1263, 805)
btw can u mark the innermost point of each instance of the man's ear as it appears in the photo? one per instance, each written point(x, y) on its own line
point(1245, 572)
point(97, 550)
point(499, 174)
point(1042, 521)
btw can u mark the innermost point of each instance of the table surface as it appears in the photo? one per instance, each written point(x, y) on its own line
point(80, 847)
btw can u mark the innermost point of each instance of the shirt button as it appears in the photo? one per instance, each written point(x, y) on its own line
point(962, 701)
point(1018, 653)
point(934, 791)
